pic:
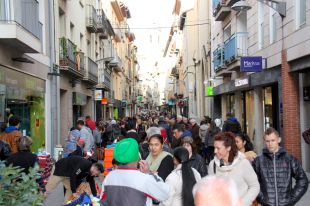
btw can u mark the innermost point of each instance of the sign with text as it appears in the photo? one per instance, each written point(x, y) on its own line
point(251, 64)
point(98, 95)
point(241, 82)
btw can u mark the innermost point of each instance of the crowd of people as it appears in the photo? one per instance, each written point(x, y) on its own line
point(161, 159)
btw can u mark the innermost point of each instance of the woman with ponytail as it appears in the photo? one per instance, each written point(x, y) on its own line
point(181, 180)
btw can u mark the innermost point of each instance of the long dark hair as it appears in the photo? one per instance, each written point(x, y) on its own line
point(248, 144)
point(182, 156)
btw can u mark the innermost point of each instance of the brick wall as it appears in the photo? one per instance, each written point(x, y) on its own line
point(291, 117)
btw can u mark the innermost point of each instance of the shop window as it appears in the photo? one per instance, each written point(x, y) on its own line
point(230, 104)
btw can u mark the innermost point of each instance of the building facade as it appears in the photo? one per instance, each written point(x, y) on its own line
point(273, 97)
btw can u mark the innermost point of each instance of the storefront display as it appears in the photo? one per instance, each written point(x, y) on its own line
point(23, 95)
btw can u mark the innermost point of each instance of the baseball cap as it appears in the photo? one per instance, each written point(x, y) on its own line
point(126, 151)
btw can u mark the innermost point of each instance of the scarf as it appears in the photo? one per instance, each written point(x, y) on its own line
point(155, 163)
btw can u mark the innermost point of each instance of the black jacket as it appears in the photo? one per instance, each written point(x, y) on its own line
point(23, 160)
point(275, 174)
point(5, 150)
point(198, 163)
point(77, 168)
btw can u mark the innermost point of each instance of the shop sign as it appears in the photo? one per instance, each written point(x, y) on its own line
point(208, 91)
point(241, 82)
point(251, 64)
point(104, 101)
point(98, 95)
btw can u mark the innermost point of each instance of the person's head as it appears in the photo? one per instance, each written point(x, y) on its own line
point(244, 143)
point(87, 117)
point(126, 152)
point(156, 144)
point(74, 134)
point(177, 131)
point(181, 156)
point(225, 147)
point(229, 115)
point(185, 120)
point(189, 144)
point(139, 120)
point(96, 169)
point(113, 122)
point(24, 144)
point(179, 118)
point(80, 124)
point(192, 121)
point(210, 190)
point(161, 119)
point(14, 121)
point(272, 140)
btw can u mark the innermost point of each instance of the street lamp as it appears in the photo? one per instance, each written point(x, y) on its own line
point(279, 7)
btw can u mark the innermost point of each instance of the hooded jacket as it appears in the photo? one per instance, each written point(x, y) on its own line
point(275, 173)
point(241, 171)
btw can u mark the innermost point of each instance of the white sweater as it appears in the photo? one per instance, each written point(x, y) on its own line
point(174, 180)
point(242, 173)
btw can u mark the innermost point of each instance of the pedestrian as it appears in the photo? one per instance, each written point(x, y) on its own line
point(181, 180)
point(86, 135)
point(195, 160)
point(71, 171)
point(179, 132)
point(71, 142)
point(5, 150)
point(231, 124)
point(203, 130)
point(160, 161)
point(140, 126)
point(127, 185)
point(11, 134)
point(24, 158)
point(228, 161)
point(209, 141)
point(113, 131)
point(245, 146)
point(275, 169)
point(216, 191)
point(163, 124)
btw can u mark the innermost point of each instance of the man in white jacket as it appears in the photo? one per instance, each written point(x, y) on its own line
point(127, 185)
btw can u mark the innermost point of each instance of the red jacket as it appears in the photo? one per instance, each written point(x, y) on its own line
point(91, 124)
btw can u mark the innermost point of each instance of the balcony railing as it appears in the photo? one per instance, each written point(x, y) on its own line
point(24, 13)
point(218, 58)
point(91, 18)
point(67, 53)
point(236, 46)
point(100, 20)
point(91, 71)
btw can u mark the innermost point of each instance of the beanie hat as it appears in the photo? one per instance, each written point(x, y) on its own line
point(126, 151)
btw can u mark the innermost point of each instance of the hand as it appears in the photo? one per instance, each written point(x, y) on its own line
point(75, 195)
point(144, 166)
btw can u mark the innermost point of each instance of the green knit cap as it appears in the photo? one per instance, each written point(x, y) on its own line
point(126, 151)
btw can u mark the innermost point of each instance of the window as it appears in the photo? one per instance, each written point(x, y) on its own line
point(71, 31)
point(227, 32)
point(272, 26)
point(300, 12)
point(260, 22)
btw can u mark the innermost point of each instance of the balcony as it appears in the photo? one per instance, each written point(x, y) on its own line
point(91, 18)
point(19, 25)
point(117, 10)
point(118, 35)
point(220, 9)
point(100, 21)
point(218, 58)
point(116, 63)
point(236, 46)
point(71, 61)
point(91, 75)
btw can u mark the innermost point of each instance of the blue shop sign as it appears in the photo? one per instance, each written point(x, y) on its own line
point(251, 64)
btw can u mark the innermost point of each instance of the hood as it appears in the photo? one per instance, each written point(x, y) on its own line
point(11, 129)
point(236, 161)
point(266, 152)
point(186, 133)
point(233, 119)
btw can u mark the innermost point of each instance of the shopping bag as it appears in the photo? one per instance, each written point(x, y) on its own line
point(83, 200)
